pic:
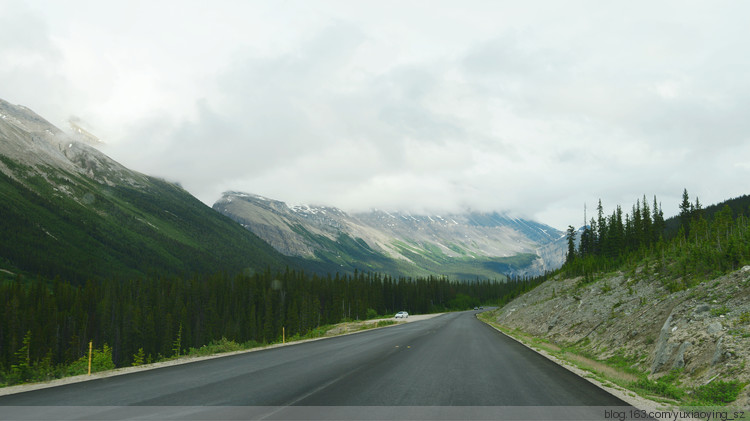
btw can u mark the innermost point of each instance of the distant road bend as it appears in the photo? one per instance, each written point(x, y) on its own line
point(452, 366)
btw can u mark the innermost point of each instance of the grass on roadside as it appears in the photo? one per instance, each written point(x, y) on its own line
point(102, 357)
point(619, 370)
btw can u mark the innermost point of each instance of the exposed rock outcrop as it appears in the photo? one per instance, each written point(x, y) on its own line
point(703, 331)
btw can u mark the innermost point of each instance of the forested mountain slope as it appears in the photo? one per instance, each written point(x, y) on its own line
point(70, 211)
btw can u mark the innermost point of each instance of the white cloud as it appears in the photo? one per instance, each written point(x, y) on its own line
point(534, 108)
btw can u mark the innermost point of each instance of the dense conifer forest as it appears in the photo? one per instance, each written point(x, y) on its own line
point(685, 249)
point(45, 328)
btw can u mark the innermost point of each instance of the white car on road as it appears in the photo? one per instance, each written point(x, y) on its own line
point(402, 315)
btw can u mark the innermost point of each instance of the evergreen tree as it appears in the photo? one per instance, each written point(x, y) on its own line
point(647, 221)
point(659, 224)
point(601, 227)
point(571, 238)
point(21, 370)
point(177, 343)
point(697, 209)
point(685, 211)
point(637, 239)
point(585, 248)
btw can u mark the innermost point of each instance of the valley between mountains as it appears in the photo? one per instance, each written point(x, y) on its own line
point(465, 246)
point(63, 196)
point(95, 253)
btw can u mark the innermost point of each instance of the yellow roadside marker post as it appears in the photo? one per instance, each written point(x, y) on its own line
point(91, 349)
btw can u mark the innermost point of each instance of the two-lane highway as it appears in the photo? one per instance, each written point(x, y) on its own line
point(450, 360)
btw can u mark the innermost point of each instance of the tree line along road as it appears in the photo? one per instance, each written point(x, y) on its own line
point(443, 365)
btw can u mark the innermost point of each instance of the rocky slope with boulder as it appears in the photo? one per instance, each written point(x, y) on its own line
point(697, 336)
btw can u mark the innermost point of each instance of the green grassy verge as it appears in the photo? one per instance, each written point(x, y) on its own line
point(24, 373)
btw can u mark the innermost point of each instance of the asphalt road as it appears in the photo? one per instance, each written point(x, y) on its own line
point(452, 360)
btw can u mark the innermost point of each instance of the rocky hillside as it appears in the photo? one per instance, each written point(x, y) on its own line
point(462, 245)
point(702, 333)
point(70, 211)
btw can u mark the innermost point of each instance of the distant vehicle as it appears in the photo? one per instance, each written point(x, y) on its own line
point(402, 315)
point(481, 308)
point(476, 308)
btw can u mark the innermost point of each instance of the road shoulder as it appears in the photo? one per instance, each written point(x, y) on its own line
point(626, 395)
point(351, 328)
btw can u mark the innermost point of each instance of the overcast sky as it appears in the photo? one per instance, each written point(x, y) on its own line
point(534, 108)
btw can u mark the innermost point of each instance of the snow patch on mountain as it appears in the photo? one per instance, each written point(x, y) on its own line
point(292, 230)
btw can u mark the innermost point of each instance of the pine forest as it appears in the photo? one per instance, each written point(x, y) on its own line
point(45, 328)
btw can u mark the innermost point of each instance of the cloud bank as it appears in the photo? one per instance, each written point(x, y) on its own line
point(533, 108)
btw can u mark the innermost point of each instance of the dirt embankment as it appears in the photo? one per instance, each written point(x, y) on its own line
point(703, 331)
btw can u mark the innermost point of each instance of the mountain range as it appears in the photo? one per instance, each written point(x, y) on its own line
point(69, 210)
point(464, 245)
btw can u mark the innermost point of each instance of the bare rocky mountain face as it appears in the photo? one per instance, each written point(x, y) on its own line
point(32, 141)
point(307, 231)
point(551, 257)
